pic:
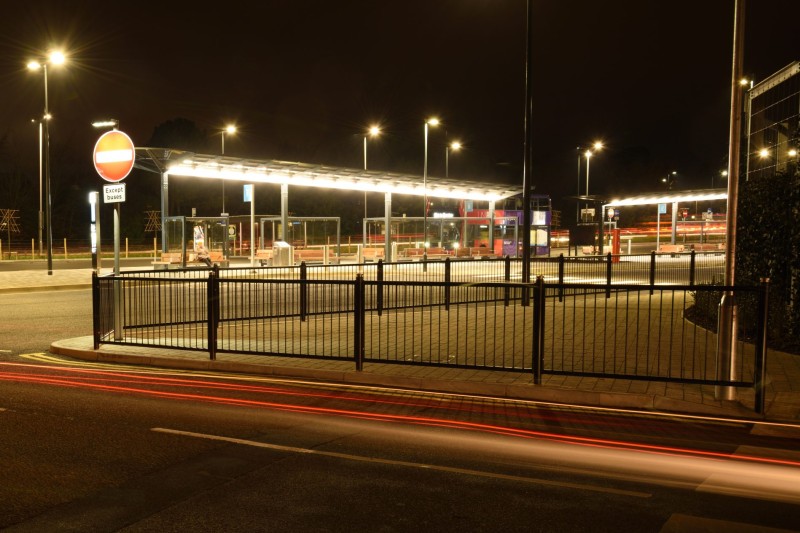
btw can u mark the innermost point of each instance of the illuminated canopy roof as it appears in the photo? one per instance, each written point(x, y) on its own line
point(178, 163)
point(669, 197)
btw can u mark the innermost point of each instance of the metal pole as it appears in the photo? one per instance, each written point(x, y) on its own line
point(41, 217)
point(577, 202)
point(527, 182)
point(116, 239)
point(48, 200)
point(425, 205)
point(658, 228)
point(387, 225)
point(365, 168)
point(223, 179)
point(253, 225)
point(117, 281)
point(727, 321)
point(588, 158)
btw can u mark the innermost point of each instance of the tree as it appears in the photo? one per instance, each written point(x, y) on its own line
point(768, 246)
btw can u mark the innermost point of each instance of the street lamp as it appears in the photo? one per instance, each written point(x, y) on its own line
point(723, 174)
point(428, 122)
point(230, 130)
point(454, 146)
point(374, 131)
point(669, 180)
point(111, 123)
point(55, 58)
point(597, 146)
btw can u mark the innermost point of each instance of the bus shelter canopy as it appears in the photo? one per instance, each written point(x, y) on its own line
point(669, 197)
point(180, 163)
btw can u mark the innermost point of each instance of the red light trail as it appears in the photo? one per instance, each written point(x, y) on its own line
point(134, 383)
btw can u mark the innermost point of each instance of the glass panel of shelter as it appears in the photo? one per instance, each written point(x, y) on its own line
point(447, 232)
point(186, 234)
point(303, 232)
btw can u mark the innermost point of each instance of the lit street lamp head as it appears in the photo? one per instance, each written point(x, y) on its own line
point(374, 131)
point(112, 123)
point(55, 58)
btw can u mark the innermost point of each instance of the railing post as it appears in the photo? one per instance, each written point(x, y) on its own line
point(359, 322)
point(691, 268)
point(561, 277)
point(760, 370)
point(526, 290)
point(447, 281)
point(379, 287)
point(217, 313)
point(608, 275)
point(303, 291)
point(211, 307)
point(537, 361)
point(652, 271)
point(507, 278)
point(96, 310)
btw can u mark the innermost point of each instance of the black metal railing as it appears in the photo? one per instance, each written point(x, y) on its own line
point(608, 330)
point(687, 268)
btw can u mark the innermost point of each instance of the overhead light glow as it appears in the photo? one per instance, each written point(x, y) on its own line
point(57, 58)
point(688, 196)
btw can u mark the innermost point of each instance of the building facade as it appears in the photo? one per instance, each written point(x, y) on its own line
point(773, 124)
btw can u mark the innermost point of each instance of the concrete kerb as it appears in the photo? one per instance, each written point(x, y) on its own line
point(81, 348)
point(42, 288)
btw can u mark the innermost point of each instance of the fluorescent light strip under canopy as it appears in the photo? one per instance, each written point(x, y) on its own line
point(303, 175)
point(679, 197)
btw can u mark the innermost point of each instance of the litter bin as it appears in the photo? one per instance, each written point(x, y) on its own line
point(282, 254)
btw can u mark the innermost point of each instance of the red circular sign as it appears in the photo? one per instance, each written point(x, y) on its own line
point(114, 156)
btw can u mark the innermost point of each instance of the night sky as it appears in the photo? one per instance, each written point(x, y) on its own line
point(303, 80)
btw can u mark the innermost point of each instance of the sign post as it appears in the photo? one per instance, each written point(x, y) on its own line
point(94, 231)
point(249, 196)
point(662, 209)
point(113, 158)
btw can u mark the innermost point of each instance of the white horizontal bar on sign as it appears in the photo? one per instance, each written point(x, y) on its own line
point(114, 156)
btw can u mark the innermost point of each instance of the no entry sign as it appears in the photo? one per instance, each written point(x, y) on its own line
point(113, 156)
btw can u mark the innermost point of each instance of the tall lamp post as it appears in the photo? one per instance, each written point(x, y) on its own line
point(428, 122)
point(41, 164)
point(374, 131)
point(597, 146)
point(230, 130)
point(55, 58)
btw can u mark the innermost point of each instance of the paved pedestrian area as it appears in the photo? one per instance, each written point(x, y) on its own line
point(782, 392)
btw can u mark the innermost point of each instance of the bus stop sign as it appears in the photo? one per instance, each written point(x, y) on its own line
point(113, 156)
